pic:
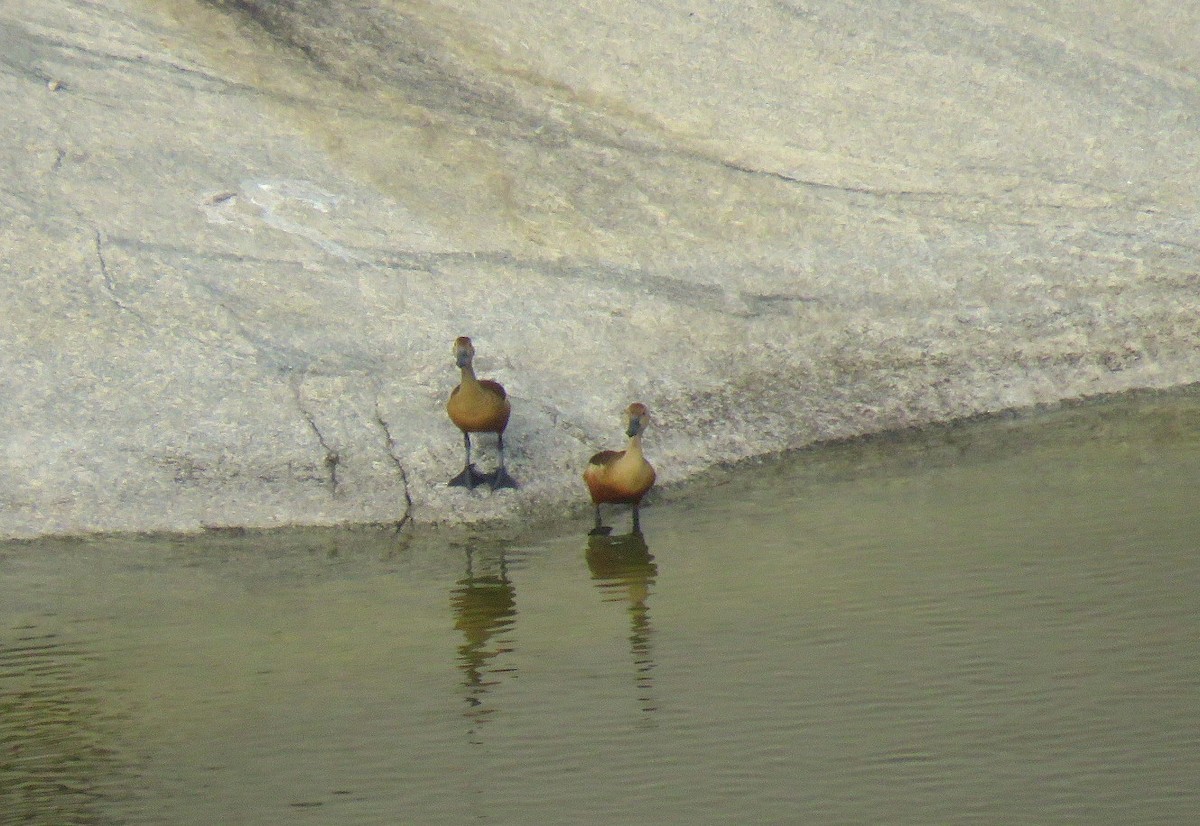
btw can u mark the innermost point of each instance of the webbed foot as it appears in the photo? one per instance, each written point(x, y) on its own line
point(468, 478)
point(501, 479)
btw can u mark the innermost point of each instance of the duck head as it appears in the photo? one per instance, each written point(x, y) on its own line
point(639, 418)
point(464, 351)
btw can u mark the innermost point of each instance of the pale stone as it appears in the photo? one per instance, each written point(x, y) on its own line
point(235, 257)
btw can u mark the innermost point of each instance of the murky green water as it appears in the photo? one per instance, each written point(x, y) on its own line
point(992, 623)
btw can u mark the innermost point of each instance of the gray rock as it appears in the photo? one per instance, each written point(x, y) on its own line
point(239, 238)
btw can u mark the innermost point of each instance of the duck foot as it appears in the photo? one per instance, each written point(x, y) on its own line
point(600, 530)
point(468, 478)
point(501, 479)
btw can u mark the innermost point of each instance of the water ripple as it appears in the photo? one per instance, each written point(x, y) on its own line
point(57, 762)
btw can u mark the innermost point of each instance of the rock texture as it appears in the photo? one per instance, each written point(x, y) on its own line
point(238, 238)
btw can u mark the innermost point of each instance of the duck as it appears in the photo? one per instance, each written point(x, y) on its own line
point(478, 406)
point(621, 476)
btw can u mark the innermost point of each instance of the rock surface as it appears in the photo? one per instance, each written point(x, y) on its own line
point(239, 237)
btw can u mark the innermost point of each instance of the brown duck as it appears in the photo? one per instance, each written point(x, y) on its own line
point(478, 406)
point(621, 476)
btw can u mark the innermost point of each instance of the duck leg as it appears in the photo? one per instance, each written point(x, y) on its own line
point(599, 530)
point(470, 475)
point(637, 527)
point(501, 479)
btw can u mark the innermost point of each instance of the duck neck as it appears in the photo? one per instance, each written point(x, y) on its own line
point(634, 449)
point(468, 376)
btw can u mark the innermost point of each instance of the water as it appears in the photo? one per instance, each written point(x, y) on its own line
point(989, 623)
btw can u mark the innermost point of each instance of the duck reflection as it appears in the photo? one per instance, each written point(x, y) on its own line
point(485, 609)
point(623, 570)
